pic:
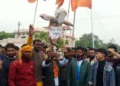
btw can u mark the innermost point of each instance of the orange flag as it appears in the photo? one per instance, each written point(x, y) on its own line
point(31, 1)
point(59, 3)
point(80, 3)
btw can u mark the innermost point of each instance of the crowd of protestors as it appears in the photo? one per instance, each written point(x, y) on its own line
point(36, 64)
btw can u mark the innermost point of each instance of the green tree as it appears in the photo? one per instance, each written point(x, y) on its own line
point(4, 35)
point(86, 41)
point(42, 36)
point(61, 43)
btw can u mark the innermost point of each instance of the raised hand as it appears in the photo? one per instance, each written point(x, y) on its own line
point(31, 30)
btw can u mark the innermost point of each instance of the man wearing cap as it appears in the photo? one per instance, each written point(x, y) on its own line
point(21, 72)
point(102, 73)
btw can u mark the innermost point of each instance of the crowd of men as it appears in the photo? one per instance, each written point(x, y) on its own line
point(36, 64)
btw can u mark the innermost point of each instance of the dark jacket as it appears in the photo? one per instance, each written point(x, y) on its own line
point(63, 71)
point(72, 73)
point(5, 69)
point(49, 74)
point(63, 74)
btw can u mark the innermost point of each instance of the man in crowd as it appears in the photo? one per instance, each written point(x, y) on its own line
point(22, 73)
point(52, 65)
point(37, 55)
point(91, 56)
point(102, 73)
point(5, 61)
point(51, 69)
point(63, 69)
point(78, 70)
point(114, 59)
point(73, 52)
point(17, 50)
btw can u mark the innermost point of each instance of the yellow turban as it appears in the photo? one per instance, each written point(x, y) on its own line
point(23, 49)
point(26, 48)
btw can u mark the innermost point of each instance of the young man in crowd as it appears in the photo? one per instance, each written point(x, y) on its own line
point(63, 69)
point(52, 68)
point(73, 52)
point(91, 56)
point(5, 61)
point(102, 73)
point(113, 56)
point(22, 73)
point(78, 70)
point(17, 50)
point(114, 59)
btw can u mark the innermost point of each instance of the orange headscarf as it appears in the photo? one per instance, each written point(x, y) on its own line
point(23, 49)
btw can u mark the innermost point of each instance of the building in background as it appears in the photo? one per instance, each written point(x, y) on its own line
point(21, 38)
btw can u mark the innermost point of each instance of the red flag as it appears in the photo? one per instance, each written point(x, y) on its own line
point(59, 3)
point(31, 1)
point(80, 3)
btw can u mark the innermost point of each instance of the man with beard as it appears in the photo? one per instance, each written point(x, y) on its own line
point(78, 69)
point(91, 56)
point(21, 72)
point(73, 52)
point(5, 61)
point(37, 55)
point(114, 59)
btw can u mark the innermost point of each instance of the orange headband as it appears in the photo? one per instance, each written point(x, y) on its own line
point(26, 48)
point(23, 49)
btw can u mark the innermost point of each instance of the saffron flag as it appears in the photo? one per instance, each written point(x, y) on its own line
point(59, 3)
point(80, 3)
point(31, 1)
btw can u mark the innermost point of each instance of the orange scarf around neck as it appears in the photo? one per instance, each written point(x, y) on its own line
point(55, 69)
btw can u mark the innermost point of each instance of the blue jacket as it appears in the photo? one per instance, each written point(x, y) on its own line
point(108, 75)
point(5, 69)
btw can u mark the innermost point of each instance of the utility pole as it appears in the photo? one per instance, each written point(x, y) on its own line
point(18, 29)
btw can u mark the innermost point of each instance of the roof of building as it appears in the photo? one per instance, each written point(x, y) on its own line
point(27, 30)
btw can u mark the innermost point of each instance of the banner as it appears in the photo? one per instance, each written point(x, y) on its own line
point(55, 32)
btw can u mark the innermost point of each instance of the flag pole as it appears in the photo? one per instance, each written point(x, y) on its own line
point(92, 28)
point(35, 13)
point(73, 29)
point(67, 20)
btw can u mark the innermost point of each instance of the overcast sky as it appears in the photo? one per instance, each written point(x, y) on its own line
point(106, 17)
